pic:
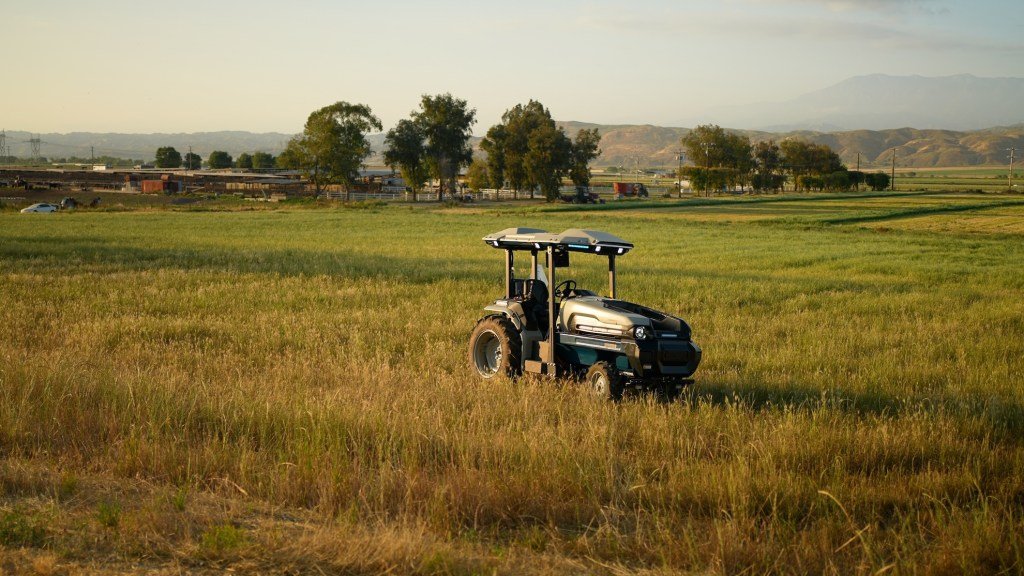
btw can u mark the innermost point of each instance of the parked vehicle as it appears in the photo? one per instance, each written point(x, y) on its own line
point(40, 207)
point(582, 195)
point(562, 330)
point(628, 189)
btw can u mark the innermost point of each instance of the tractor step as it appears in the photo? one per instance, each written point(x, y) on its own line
point(538, 367)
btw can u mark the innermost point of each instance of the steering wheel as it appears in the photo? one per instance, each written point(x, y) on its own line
point(564, 288)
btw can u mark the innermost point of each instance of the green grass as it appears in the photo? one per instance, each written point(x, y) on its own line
point(18, 529)
point(301, 375)
point(985, 179)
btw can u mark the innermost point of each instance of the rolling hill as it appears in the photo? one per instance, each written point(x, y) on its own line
point(622, 145)
point(658, 146)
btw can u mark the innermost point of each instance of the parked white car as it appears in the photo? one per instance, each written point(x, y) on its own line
point(40, 207)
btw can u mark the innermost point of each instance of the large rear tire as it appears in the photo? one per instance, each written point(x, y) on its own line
point(604, 381)
point(495, 348)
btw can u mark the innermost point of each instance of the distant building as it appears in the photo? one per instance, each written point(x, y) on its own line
point(164, 184)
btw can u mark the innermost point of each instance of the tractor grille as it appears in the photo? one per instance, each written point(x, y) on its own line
point(675, 353)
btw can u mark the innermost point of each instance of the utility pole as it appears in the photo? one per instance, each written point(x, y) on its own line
point(892, 177)
point(860, 176)
point(1009, 179)
point(189, 165)
point(707, 160)
point(3, 145)
point(679, 172)
point(92, 155)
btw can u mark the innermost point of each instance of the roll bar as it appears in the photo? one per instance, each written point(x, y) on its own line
point(534, 240)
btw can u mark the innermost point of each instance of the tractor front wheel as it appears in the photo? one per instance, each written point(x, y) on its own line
point(604, 381)
point(495, 348)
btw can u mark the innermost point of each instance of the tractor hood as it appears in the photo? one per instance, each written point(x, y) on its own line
point(599, 316)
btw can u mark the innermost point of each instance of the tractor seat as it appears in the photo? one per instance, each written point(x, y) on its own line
point(535, 304)
point(538, 291)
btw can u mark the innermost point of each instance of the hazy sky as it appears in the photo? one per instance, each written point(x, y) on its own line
point(186, 66)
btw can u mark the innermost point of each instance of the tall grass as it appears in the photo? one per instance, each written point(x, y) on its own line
point(858, 406)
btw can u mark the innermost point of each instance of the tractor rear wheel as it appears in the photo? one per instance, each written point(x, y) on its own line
point(604, 381)
point(495, 348)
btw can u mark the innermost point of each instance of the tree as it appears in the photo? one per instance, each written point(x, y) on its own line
point(856, 178)
point(293, 157)
point(528, 150)
point(548, 156)
point(494, 145)
point(333, 145)
point(711, 147)
point(477, 174)
point(810, 182)
point(520, 122)
point(878, 181)
point(584, 149)
point(193, 161)
point(263, 161)
point(805, 158)
point(838, 181)
point(406, 150)
point(707, 179)
point(447, 124)
point(704, 145)
point(244, 161)
point(767, 166)
point(167, 157)
point(219, 159)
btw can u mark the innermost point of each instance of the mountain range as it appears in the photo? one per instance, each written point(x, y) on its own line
point(622, 145)
point(879, 101)
point(953, 118)
point(658, 146)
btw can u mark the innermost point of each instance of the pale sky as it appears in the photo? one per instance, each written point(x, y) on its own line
point(187, 66)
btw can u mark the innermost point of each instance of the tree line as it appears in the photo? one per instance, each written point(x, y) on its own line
point(525, 151)
point(726, 160)
point(168, 157)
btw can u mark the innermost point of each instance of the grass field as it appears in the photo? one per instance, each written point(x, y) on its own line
point(985, 179)
point(956, 179)
point(286, 390)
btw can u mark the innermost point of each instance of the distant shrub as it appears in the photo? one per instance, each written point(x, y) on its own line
point(67, 486)
point(222, 538)
point(180, 499)
point(109, 514)
point(18, 529)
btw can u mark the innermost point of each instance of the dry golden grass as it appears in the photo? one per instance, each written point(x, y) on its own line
point(283, 390)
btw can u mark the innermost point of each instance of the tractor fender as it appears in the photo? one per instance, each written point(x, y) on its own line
point(504, 310)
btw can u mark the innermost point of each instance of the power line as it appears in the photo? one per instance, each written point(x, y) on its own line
point(84, 147)
point(37, 140)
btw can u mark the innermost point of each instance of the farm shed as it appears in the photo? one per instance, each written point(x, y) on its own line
point(164, 184)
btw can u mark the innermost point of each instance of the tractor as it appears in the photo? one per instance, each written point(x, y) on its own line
point(582, 195)
point(561, 330)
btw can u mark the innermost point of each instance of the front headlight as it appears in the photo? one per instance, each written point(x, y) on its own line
point(642, 333)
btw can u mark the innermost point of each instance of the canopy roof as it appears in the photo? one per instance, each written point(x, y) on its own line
point(574, 239)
